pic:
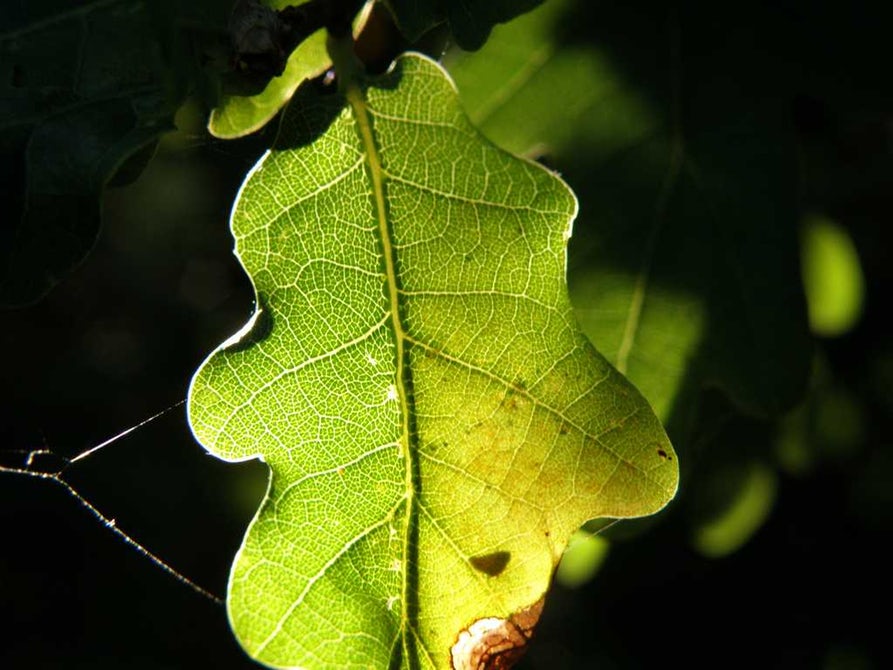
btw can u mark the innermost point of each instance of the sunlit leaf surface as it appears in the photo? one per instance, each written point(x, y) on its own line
point(435, 424)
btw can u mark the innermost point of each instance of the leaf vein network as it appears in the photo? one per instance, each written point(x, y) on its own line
point(485, 293)
point(313, 580)
point(427, 123)
point(536, 401)
point(482, 482)
point(340, 467)
point(451, 543)
point(420, 643)
point(249, 401)
point(283, 210)
point(472, 201)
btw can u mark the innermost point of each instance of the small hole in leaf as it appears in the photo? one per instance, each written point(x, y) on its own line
point(491, 564)
point(663, 454)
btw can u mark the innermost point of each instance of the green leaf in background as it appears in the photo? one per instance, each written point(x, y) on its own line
point(84, 88)
point(749, 493)
point(827, 430)
point(832, 277)
point(684, 268)
point(470, 22)
point(239, 115)
point(585, 554)
point(435, 424)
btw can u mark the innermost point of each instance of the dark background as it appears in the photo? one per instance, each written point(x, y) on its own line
point(119, 340)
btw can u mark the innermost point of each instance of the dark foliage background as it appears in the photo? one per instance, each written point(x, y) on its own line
point(120, 338)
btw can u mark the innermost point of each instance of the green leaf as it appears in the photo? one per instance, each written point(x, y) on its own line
point(470, 22)
point(749, 493)
point(84, 89)
point(832, 277)
point(582, 559)
point(685, 267)
point(435, 424)
point(239, 115)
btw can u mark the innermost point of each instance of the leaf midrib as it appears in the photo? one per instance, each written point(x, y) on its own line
point(356, 98)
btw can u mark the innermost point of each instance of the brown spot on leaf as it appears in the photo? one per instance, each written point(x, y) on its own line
point(491, 564)
point(663, 454)
point(493, 643)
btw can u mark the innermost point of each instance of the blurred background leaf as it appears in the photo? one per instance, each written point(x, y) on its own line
point(87, 89)
point(832, 277)
point(584, 555)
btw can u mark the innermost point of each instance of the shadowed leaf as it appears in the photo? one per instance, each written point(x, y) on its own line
point(238, 115)
point(84, 89)
point(470, 22)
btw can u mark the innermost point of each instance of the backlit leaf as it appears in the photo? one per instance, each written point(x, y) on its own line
point(435, 424)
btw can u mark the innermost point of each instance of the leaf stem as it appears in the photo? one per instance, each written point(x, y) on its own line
point(347, 66)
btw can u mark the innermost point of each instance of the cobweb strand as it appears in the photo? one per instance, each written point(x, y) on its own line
point(29, 459)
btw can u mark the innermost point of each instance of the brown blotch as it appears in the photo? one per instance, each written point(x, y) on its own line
point(491, 564)
point(493, 643)
point(663, 454)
